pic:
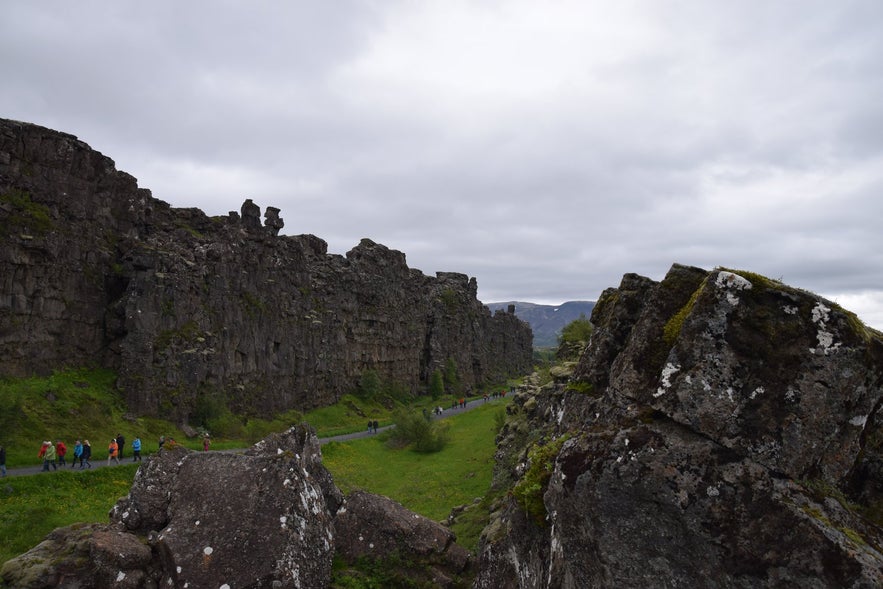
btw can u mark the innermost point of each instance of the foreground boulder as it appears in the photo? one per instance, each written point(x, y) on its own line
point(80, 556)
point(379, 529)
point(721, 429)
point(265, 518)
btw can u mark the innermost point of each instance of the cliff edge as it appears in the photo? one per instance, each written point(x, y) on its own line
point(183, 306)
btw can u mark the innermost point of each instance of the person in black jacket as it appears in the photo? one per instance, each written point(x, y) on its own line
point(86, 455)
point(121, 441)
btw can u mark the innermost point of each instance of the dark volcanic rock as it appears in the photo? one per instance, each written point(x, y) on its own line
point(82, 556)
point(721, 429)
point(217, 518)
point(374, 527)
point(187, 307)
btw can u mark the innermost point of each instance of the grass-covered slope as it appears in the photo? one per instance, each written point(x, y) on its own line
point(79, 404)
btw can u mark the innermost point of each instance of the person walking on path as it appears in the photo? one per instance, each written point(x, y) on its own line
point(48, 456)
point(78, 453)
point(86, 455)
point(61, 452)
point(136, 449)
point(2, 461)
point(121, 441)
point(206, 442)
point(113, 451)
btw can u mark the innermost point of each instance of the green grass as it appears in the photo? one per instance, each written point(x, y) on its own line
point(33, 506)
point(429, 484)
point(351, 413)
point(83, 404)
point(70, 405)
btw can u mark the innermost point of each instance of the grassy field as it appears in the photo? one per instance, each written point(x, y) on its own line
point(430, 484)
point(82, 404)
point(70, 405)
point(33, 506)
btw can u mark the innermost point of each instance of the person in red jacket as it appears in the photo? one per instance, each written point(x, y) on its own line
point(60, 451)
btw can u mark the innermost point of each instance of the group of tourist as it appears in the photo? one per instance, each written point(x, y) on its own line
point(55, 455)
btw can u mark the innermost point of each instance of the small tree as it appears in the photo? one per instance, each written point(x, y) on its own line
point(436, 384)
point(578, 330)
point(574, 337)
point(418, 431)
point(369, 384)
point(452, 380)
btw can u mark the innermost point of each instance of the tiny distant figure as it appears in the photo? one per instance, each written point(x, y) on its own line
point(462, 403)
point(113, 451)
point(48, 454)
point(485, 397)
point(86, 456)
point(162, 441)
point(2, 461)
point(61, 452)
point(78, 454)
point(375, 424)
point(136, 449)
point(121, 441)
point(370, 426)
point(206, 442)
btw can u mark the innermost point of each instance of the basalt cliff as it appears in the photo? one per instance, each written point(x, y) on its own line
point(94, 271)
point(721, 429)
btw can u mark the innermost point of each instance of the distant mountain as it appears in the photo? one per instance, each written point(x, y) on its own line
point(546, 321)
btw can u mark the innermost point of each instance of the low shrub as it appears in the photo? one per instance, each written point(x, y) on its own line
point(419, 432)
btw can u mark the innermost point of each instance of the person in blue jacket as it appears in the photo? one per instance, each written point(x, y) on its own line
point(136, 449)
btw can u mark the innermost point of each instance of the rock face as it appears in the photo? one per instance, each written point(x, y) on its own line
point(186, 307)
point(720, 430)
point(375, 527)
point(269, 518)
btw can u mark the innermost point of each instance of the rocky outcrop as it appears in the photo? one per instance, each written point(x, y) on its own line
point(271, 517)
point(721, 429)
point(378, 529)
point(186, 307)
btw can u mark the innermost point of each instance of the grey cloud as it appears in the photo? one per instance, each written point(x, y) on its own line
point(544, 156)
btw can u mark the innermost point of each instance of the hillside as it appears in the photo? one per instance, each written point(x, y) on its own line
point(546, 321)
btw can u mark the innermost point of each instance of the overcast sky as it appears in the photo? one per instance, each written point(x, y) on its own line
point(545, 148)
